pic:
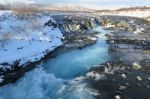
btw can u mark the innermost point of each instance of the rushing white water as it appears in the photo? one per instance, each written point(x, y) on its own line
point(58, 77)
point(38, 84)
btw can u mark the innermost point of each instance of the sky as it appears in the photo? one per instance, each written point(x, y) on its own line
point(86, 3)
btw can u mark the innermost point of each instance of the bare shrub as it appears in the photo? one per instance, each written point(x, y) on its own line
point(147, 18)
point(4, 38)
point(36, 24)
point(3, 7)
point(27, 12)
point(24, 11)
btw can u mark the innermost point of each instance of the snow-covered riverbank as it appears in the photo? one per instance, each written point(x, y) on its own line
point(26, 39)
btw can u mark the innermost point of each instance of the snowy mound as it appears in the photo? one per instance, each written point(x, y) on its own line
point(66, 7)
point(26, 39)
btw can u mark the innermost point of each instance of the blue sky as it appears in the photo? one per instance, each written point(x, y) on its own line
point(88, 3)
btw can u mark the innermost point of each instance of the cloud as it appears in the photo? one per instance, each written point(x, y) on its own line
point(87, 3)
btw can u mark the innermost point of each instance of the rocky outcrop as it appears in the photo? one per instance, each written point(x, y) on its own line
point(75, 23)
point(76, 30)
point(126, 75)
point(123, 23)
point(120, 80)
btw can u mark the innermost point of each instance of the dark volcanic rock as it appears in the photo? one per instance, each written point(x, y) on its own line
point(121, 79)
point(128, 47)
point(127, 74)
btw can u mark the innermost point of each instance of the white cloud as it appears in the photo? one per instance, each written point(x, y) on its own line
point(87, 3)
point(16, 1)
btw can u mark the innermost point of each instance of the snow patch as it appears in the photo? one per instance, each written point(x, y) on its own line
point(26, 39)
point(95, 75)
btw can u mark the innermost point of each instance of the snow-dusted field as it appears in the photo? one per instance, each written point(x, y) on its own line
point(26, 39)
point(133, 13)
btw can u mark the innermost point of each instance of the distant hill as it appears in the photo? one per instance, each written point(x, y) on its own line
point(142, 12)
point(125, 9)
point(66, 8)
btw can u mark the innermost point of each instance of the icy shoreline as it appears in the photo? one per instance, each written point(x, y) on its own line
point(25, 40)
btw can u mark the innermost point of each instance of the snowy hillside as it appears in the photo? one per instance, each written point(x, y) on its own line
point(26, 39)
point(66, 7)
point(141, 12)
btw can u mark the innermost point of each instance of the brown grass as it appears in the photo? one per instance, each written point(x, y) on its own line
point(147, 18)
point(3, 7)
point(24, 10)
point(134, 8)
point(127, 9)
point(147, 52)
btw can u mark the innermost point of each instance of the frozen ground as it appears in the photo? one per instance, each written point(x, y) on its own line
point(26, 39)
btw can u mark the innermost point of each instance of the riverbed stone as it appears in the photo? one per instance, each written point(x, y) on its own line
point(124, 76)
point(117, 97)
point(137, 66)
point(139, 78)
point(122, 87)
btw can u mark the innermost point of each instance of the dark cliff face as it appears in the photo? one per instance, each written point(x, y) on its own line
point(76, 29)
point(125, 23)
point(81, 23)
point(75, 23)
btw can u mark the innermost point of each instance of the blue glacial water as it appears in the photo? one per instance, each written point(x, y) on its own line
point(60, 77)
point(77, 62)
